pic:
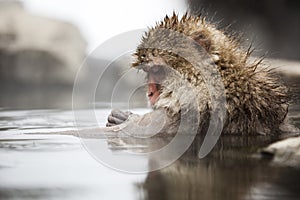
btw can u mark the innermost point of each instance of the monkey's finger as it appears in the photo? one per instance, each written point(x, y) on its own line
point(110, 124)
point(114, 120)
point(120, 114)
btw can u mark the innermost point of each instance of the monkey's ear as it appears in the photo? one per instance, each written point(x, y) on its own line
point(201, 39)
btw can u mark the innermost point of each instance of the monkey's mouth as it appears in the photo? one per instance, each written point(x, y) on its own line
point(153, 92)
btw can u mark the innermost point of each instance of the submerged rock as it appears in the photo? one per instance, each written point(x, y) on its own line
point(285, 152)
point(37, 50)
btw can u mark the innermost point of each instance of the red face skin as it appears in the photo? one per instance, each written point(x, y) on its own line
point(155, 76)
point(153, 92)
point(153, 87)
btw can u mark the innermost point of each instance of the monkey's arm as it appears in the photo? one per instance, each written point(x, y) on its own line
point(147, 125)
point(142, 125)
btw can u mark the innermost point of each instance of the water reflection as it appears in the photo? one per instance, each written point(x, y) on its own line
point(227, 178)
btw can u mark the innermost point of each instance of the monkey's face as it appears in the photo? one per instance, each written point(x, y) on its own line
point(155, 76)
point(162, 75)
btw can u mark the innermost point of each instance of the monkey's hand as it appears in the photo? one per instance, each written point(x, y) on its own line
point(117, 117)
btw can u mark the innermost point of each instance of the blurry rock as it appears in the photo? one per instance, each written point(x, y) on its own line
point(37, 50)
point(285, 152)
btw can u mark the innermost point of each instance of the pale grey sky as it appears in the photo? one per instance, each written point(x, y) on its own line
point(100, 20)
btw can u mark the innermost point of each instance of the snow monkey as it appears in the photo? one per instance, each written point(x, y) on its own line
point(256, 101)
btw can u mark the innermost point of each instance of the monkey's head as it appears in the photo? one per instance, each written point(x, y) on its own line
point(165, 54)
point(163, 75)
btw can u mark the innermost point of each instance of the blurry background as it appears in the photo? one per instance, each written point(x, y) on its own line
point(43, 43)
point(273, 25)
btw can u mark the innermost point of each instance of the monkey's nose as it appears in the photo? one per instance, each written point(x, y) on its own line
point(153, 93)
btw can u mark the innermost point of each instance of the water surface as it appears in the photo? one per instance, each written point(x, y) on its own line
point(47, 166)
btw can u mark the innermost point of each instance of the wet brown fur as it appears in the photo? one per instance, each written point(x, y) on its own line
point(256, 101)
